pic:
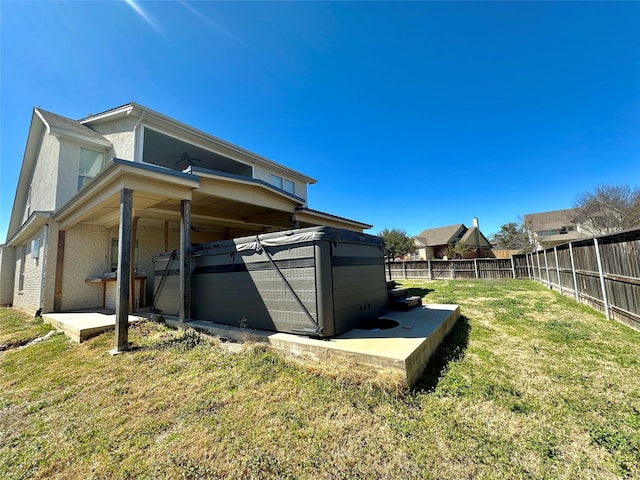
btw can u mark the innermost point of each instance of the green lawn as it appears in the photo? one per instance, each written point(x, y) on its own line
point(527, 385)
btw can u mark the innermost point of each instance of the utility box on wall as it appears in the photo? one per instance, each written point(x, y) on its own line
point(319, 281)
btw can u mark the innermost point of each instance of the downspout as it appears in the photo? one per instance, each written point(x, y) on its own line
point(43, 275)
point(138, 143)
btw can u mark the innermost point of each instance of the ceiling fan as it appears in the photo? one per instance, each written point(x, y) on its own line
point(185, 157)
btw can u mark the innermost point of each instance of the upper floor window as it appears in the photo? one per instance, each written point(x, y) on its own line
point(283, 184)
point(91, 163)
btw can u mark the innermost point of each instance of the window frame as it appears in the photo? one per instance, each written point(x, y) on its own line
point(284, 184)
point(83, 180)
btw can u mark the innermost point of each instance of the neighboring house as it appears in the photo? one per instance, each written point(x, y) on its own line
point(106, 193)
point(435, 242)
point(548, 229)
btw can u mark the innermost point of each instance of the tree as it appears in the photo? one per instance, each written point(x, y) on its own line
point(459, 250)
point(608, 209)
point(513, 236)
point(397, 242)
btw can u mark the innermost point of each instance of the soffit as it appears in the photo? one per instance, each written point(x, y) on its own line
point(99, 202)
point(157, 194)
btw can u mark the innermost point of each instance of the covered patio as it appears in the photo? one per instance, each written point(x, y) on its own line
point(146, 201)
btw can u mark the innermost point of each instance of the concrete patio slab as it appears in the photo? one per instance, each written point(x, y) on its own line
point(79, 326)
point(405, 347)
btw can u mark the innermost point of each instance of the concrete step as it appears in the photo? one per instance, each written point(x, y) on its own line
point(405, 303)
point(397, 293)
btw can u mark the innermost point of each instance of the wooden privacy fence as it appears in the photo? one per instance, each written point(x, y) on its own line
point(481, 268)
point(602, 272)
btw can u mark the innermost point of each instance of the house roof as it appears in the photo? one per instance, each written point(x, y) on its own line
point(441, 235)
point(561, 237)
point(331, 217)
point(66, 125)
point(260, 199)
point(552, 220)
point(44, 121)
point(452, 234)
point(475, 240)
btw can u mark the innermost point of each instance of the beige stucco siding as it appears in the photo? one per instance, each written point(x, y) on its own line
point(425, 253)
point(69, 168)
point(43, 185)
point(120, 134)
point(264, 174)
point(68, 171)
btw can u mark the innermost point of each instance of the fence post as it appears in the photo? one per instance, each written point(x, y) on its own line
point(573, 273)
point(529, 271)
point(546, 267)
point(475, 267)
point(555, 253)
point(539, 268)
point(531, 268)
point(430, 269)
point(602, 284)
point(404, 269)
point(513, 267)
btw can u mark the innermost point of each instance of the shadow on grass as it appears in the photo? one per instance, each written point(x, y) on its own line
point(451, 349)
point(417, 291)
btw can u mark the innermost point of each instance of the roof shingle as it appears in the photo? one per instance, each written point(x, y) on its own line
point(64, 123)
point(441, 235)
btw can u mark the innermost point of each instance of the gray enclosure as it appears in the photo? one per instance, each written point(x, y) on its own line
point(319, 281)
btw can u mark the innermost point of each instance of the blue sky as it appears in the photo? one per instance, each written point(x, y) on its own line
point(410, 115)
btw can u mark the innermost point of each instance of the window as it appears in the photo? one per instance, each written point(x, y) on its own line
point(283, 184)
point(29, 201)
point(114, 255)
point(90, 164)
point(289, 186)
point(276, 181)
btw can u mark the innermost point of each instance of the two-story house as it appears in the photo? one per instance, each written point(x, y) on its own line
point(106, 193)
point(548, 229)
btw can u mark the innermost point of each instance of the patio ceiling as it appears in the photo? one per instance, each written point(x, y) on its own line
point(217, 201)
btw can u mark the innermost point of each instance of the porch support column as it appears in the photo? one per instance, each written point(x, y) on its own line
point(124, 265)
point(57, 292)
point(185, 260)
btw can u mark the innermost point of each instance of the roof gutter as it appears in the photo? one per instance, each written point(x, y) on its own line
point(29, 228)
